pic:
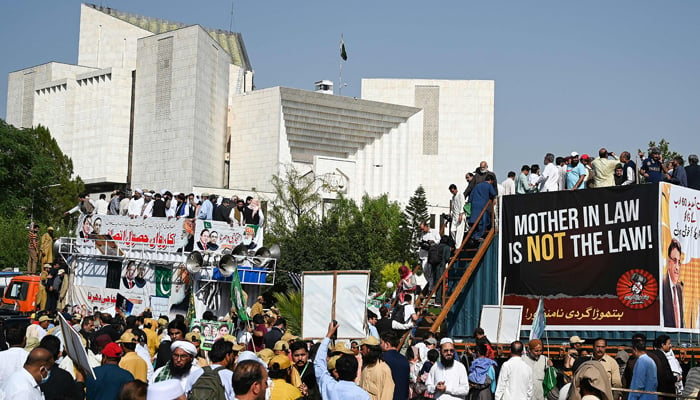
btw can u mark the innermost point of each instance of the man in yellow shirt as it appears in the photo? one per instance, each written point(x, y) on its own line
point(375, 377)
point(131, 361)
point(280, 372)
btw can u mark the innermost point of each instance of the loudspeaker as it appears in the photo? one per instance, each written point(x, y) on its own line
point(194, 262)
point(227, 265)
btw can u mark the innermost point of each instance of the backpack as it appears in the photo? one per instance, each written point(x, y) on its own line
point(398, 314)
point(434, 255)
point(208, 386)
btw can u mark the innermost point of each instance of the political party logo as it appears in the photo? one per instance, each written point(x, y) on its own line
point(637, 289)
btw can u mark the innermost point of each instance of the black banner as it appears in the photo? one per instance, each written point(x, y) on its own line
point(591, 253)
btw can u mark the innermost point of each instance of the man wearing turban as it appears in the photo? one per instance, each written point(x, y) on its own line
point(180, 365)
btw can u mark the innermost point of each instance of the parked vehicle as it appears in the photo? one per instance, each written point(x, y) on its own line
point(20, 294)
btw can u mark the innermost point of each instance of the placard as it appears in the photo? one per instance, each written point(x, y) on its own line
point(339, 295)
point(510, 323)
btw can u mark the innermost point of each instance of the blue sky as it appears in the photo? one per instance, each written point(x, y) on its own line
point(569, 75)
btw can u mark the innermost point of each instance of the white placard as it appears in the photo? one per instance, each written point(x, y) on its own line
point(510, 323)
point(74, 347)
point(350, 303)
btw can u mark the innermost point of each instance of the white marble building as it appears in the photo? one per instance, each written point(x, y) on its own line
point(158, 104)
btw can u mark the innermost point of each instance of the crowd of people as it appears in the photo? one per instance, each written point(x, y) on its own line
point(141, 203)
point(575, 172)
point(140, 357)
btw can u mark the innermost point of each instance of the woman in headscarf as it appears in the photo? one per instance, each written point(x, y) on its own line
point(408, 281)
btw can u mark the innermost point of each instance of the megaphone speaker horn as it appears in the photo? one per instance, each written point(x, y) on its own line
point(194, 262)
point(275, 252)
point(227, 265)
point(263, 252)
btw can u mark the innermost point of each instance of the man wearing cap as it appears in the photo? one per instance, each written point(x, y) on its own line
point(575, 173)
point(258, 307)
point(222, 360)
point(166, 390)
point(47, 246)
point(109, 376)
point(131, 361)
point(196, 339)
point(136, 204)
point(652, 168)
point(515, 378)
point(280, 371)
point(375, 377)
point(539, 364)
point(38, 330)
point(180, 365)
point(448, 379)
point(575, 342)
point(346, 367)
point(147, 207)
point(428, 343)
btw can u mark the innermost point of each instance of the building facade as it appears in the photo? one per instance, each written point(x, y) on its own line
point(156, 104)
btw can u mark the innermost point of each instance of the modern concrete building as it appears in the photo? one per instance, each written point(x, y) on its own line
point(146, 105)
point(158, 104)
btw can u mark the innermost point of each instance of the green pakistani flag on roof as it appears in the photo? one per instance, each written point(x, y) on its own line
point(343, 53)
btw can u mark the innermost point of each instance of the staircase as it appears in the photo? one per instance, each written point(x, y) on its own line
point(469, 252)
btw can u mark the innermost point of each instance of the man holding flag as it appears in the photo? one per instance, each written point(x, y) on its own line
point(538, 362)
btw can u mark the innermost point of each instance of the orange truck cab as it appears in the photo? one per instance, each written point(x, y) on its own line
point(20, 294)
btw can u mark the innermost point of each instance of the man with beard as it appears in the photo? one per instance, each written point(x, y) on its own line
point(376, 375)
point(109, 376)
point(515, 378)
point(448, 379)
point(136, 204)
point(180, 364)
point(222, 360)
point(304, 371)
point(479, 176)
point(237, 216)
point(223, 210)
point(575, 173)
point(538, 363)
point(176, 331)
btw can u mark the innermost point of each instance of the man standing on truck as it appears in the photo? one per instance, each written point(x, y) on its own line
point(33, 248)
point(47, 246)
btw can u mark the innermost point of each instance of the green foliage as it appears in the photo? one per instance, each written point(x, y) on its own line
point(36, 180)
point(296, 199)
point(416, 212)
point(289, 305)
point(348, 237)
point(13, 236)
point(389, 273)
point(664, 146)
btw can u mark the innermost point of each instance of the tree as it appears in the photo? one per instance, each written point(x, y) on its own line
point(416, 212)
point(664, 147)
point(36, 179)
point(296, 198)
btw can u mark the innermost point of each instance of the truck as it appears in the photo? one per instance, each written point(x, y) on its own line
point(164, 264)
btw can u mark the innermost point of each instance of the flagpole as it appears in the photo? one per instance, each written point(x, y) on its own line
point(340, 78)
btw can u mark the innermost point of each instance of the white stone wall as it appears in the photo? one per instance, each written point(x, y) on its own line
point(257, 140)
point(180, 143)
point(86, 110)
point(106, 41)
point(466, 131)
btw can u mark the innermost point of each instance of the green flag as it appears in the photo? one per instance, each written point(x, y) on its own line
point(164, 281)
point(237, 298)
point(343, 53)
